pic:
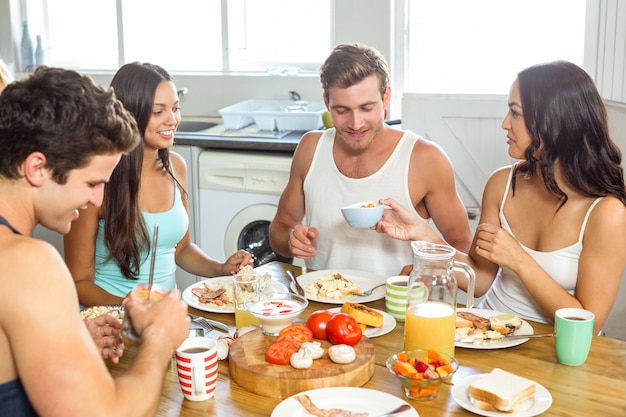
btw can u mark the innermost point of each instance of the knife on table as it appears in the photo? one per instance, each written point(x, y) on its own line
point(502, 339)
point(299, 289)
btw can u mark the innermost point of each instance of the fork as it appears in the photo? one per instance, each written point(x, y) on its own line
point(202, 322)
point(370, 291)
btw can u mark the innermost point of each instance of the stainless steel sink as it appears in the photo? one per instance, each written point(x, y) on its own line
point(194, 126)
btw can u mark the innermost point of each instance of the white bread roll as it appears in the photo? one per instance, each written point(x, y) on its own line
point(505, 323)
point(501, 390)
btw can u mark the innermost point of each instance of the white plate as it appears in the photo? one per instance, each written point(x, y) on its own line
point(361, 400)
point(525, 329)
point(365, 280)
point(389, 323)
point(531, 407)
point(192, 300)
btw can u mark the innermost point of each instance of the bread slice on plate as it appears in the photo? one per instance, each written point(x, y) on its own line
point(501, 390)
point(505, 323)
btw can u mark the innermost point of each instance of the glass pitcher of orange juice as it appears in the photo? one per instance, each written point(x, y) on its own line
point(431, 297)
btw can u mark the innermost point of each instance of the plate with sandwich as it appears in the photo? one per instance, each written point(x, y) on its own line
point(487, 329)
point(500, 393)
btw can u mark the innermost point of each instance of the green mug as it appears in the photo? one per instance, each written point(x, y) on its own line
point(573, 331)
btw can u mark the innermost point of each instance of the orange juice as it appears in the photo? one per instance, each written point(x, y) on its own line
point(244, 318)
point(142, 294)
point(430, 325)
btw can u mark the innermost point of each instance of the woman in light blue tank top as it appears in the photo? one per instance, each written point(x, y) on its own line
point(551, 231)
point(107, 249)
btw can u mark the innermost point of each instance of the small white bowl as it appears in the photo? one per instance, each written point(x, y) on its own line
point(277, 311)
point(364, 214)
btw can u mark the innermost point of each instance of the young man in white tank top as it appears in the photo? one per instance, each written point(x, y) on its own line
point(362, 158)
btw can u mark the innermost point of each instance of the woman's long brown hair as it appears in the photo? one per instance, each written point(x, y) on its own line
point(125, 232)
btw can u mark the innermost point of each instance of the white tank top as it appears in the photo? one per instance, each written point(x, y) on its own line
point(327, 190)
point(509, 294)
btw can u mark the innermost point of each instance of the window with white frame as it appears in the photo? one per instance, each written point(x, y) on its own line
point(478, 47)
point(186, 35)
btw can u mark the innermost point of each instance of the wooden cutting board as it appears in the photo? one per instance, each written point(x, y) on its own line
point(249, 369)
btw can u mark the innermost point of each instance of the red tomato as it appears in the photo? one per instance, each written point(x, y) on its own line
point(280, 352)
point(342, 328)
point(297, 333)
point(317, 322)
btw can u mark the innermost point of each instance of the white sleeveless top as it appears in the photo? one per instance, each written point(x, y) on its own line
point(327, 190)
point(509, 294)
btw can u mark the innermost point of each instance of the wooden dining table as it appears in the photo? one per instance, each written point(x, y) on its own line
point(596, 388)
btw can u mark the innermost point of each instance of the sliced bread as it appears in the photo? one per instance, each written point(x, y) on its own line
point(502, 390)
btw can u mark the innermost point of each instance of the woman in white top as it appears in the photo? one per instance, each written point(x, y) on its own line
point(552, 231)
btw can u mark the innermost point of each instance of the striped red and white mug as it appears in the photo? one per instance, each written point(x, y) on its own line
point(196, 365)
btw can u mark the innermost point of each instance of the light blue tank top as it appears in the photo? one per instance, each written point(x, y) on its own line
point(173, 225)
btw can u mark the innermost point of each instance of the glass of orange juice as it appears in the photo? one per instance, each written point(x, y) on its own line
point(140, 292)
point(427, 326)
point(246, 287)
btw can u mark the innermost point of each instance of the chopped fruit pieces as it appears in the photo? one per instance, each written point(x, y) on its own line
point(432, 366)
point(421, 371)
point(406, 369)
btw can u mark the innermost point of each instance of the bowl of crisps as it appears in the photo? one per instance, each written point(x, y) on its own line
point(422, 371)
point(364, 214)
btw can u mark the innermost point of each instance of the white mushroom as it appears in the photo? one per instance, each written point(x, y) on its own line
point(240, 332)
point(223, 346)
point(313, 349)
point(341, 353)
point(300, 359)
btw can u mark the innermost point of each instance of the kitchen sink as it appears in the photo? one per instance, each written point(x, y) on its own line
point(194, 126)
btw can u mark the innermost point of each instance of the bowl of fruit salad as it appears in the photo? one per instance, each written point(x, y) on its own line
point(422, 371)
point(277, 311)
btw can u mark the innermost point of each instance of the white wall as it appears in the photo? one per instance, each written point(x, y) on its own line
point(615, 326)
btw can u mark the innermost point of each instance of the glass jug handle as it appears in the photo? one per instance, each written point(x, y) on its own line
point(471, 281)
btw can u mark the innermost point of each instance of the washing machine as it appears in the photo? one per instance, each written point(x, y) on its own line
point(238, 198)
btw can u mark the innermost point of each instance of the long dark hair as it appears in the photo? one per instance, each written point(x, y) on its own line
point(125, 232)
point(567, 121)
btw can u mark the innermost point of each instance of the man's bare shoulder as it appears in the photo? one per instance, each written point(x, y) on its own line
point(305, 150)
point(28, 261)
point(308, 141)
point(430, 158)
point(427, 147)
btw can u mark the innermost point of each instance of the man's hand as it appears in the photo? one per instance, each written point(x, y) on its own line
point(105, 330)
point(301, 241)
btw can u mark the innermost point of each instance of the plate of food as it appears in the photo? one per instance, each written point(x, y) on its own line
point(388, 324)
point(216, 294)
point(500, 393)
point(487, 329)
point(95, 311)
point(347, 401)
point(338, 286)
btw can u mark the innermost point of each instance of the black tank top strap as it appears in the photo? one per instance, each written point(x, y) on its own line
point(7, 224)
